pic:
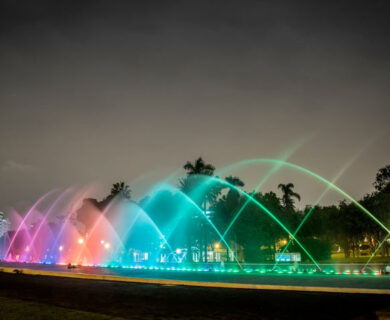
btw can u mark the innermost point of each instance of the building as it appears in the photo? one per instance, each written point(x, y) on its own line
point(4, 224)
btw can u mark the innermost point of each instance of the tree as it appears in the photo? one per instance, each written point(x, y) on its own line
point(228, 206)
point(235, 181)
point(257, 233)
point(197, 173)
point(199, 167)
point(232, 199)
point(288, 195)
point(319, 249)
point(382, 180)
point(121, 189)
point(378, 203)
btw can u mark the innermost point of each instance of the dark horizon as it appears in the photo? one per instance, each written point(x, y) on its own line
point(104, 91)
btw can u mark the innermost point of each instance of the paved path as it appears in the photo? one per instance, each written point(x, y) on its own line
point(304, 282)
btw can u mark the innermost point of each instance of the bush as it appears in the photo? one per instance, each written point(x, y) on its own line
point(319, 249)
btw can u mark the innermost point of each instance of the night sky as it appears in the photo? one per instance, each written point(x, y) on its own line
point(108, 90)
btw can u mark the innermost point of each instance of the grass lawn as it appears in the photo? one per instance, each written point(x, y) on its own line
point(339, 258)
point(11, 309)
point(37, 297)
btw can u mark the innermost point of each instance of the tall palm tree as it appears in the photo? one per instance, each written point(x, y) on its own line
point(288, 195)
point(196, 173)
point(122, 189)
point(235, 181)
point(199, 167)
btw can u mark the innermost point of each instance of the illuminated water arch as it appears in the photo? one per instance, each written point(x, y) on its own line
point(196, 207)
point(314, 175)
point(44, 219)
point(269, 174)
point(71, 208)
point(20, 221)
point(152, 193)
point(143, 213)
point(157, 188)
point(164, 186)
point(322, 195)
point(29, 212)
point(263, 208)
point(99, 220)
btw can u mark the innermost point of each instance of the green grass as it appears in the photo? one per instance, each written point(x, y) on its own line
point(339, 258)
point(12, 309)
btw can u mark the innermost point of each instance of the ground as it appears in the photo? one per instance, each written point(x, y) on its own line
point(303, 280)
point(13, 309)
point(39, 295)
point(340, 258)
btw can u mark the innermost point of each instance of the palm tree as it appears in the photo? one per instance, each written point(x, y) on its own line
point(382, 180)
point(196, 173)
point(288, 195)
point(121, 189)
point(199, 167)
point(235, 181)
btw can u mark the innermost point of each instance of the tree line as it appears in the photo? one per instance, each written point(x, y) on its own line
point(255, 236)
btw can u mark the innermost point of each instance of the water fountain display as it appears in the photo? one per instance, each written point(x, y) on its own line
point(172, 227)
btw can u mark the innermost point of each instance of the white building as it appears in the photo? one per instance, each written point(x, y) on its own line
point(4, 224)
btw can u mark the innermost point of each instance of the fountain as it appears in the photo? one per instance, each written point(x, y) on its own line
point(169, 230)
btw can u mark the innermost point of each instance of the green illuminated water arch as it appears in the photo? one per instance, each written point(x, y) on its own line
point(312, 174)
point(330, 185)
point(263, 208)
point(339, 174)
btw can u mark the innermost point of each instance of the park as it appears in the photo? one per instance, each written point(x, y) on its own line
point(197, 159)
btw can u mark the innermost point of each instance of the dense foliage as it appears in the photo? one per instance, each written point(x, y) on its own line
point(340, 228)
point(253, 234)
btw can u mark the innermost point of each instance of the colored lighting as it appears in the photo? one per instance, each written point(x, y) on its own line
point(217, 270)
point(44, 242)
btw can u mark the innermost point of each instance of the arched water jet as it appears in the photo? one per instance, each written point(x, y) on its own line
point(75, 202)
point(165, 187)
point(48, 212)
point(173, 219)
point(270, 173)
point(142, 213)
point(21, 222)
point(269, 213)
point(328, 188)
point(31, 210)
point(39, 252)
point(94, 227)
point(205, 216)
point(375, 251)
point(318, 177)
point(323, 180)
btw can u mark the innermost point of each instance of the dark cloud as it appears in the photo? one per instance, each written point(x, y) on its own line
point(102, 90)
